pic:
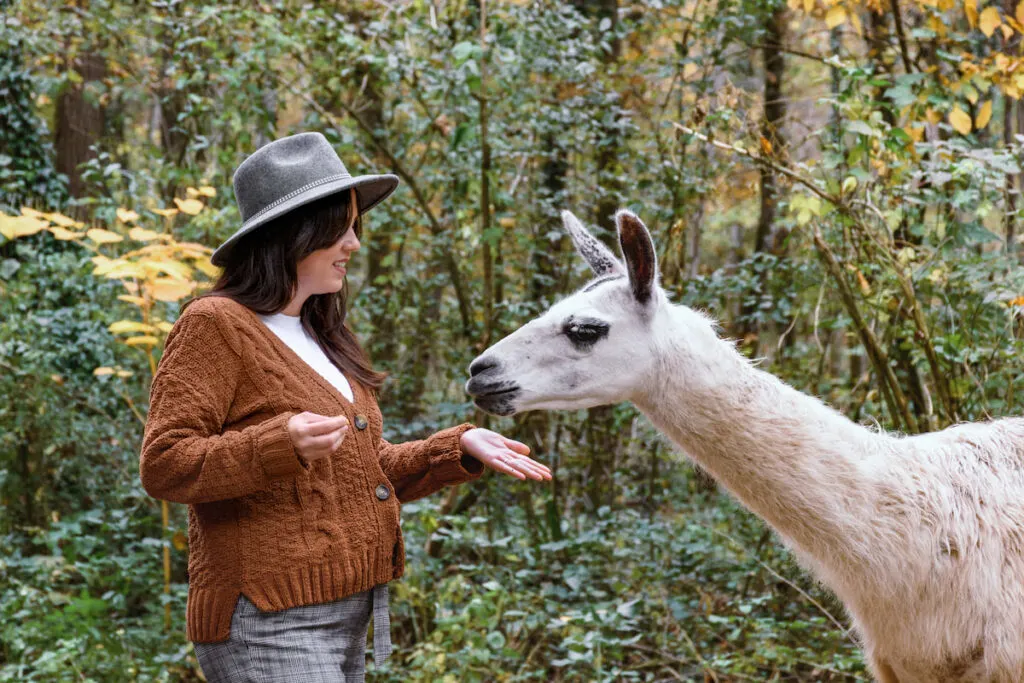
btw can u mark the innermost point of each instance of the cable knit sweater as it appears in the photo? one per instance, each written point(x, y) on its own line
point(262, 521)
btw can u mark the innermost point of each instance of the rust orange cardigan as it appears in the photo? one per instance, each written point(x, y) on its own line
point(261, 521)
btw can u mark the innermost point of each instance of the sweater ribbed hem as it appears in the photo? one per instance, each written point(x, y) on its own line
point(275, 450)
point(209, 609)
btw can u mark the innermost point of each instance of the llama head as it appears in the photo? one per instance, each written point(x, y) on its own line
point(592, 348)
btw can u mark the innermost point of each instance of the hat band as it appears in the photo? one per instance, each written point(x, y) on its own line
point(290, 195)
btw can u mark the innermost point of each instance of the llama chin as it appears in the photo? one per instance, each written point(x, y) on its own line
point(921, 537)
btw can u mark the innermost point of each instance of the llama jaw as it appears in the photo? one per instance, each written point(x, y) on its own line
point(496, 399)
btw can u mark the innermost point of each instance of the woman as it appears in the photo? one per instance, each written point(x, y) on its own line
point(263, 419)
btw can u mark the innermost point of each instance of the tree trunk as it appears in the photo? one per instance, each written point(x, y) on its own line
point(773, 143)
point(771, 123)
point(79, 121)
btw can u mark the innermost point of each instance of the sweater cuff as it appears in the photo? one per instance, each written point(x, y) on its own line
point(449, 465)
point(274, 448)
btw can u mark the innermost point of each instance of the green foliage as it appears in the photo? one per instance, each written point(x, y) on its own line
point(26, 155)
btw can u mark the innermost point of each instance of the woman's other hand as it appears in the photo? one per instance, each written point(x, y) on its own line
point(503, 455)
point(316, 436)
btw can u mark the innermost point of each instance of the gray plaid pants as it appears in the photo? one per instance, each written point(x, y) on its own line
point(323, 643)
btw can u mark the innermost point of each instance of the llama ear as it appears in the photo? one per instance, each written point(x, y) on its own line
point(638, 250)
point(599, 257)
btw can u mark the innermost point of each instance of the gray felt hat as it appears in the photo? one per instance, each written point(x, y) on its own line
point(288, 173)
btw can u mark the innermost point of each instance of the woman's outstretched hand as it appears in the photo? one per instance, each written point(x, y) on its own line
point(503, 455)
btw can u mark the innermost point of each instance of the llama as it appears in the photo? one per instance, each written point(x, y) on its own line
point(922, 537)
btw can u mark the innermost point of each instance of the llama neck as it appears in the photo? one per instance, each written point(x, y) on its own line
point(795, 462)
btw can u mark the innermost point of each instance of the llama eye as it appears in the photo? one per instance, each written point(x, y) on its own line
point(584, 334)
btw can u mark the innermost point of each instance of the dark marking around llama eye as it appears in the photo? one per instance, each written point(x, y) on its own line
point(583, 333)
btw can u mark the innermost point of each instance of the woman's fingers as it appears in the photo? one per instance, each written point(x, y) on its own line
point(529, 464)
point(502, 465)
point(532, 469)
point(325, 425)
point(525, 466)
point(517, 446)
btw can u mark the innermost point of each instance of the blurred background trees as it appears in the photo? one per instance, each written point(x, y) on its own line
point(836, 182)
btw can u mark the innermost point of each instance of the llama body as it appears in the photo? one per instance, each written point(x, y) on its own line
point(922, 537)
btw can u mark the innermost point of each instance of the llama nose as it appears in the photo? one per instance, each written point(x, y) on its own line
point(480, 365)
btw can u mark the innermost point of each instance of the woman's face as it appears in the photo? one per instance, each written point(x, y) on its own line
point(323, 271)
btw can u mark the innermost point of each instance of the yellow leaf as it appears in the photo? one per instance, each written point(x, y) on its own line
point(175, 269)
point(1020, 13)
point(137, 300)
point(193, 249)
point(989, 21)
point(984, 114)
point(835, 16)
point(204, 266)
point(127, 216)
point(189, 206)
point(64, 234)
point(179, 541)
point(99, 372)
point(122, 326)
point(143, 340)
point(143, 235)
point(100, 236)
point(808, 5)
point(169, 289)
point(916, 132)
point(208, 191)
point(960, 120)
point(690, 70)
point(971, 9)
point(13, 227)
point(124, 373)
point(166, 213)
point(62, 220)
point(191, 192)
point(32, 213)
point(857, 26)
point(116, 268)
point(165, 326)
point(1007, 31)
point(865, 288)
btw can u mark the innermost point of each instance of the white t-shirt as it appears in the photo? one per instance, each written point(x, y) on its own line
point(289, 329)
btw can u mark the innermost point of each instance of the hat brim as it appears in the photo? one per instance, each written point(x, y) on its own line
point(371, 190)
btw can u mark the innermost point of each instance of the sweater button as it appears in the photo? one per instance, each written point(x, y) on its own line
point(382, 492)
point(361, 422)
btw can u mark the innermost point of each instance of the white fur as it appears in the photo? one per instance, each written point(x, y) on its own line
point(922, 537)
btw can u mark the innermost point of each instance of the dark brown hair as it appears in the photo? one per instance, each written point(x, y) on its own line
point(260, 273)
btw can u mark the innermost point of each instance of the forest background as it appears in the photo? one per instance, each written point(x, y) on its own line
point(836, 181)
